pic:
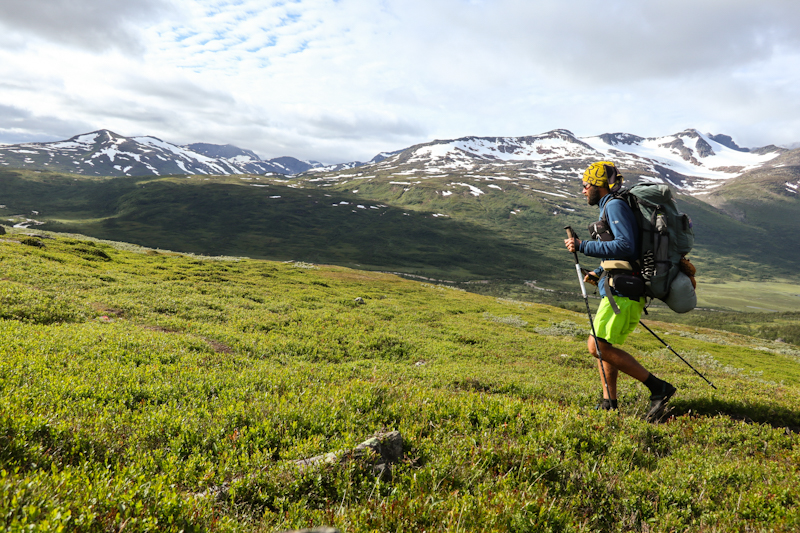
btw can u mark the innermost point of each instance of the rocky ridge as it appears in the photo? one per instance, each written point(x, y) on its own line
point(104, 153)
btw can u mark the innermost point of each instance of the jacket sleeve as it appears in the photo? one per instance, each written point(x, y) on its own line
point(623, 226)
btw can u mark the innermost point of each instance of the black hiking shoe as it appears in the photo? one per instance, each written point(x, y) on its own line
point(658, 402)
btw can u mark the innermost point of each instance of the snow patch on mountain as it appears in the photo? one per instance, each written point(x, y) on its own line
point(564, 195)
point(474, 191)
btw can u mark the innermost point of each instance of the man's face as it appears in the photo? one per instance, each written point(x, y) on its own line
point(591, 193)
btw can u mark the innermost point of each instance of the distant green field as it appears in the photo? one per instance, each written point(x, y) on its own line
point(750, 296)
point(145, 390)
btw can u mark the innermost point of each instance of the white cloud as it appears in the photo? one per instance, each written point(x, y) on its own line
point(88, 24)
point(19, 125)
point(341, 80)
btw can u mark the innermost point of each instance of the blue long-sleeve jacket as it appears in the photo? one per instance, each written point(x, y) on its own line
point(623, 226)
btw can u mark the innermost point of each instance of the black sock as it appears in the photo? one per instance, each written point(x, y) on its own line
point(613, 404)
point(654, 384)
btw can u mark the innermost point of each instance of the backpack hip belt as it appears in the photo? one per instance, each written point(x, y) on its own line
point(621, 276)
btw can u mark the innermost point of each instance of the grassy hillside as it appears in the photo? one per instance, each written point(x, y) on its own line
point(157, 391)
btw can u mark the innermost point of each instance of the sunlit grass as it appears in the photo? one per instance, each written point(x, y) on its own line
point(134, 384)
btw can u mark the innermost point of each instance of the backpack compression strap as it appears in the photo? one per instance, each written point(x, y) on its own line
point(609, 295)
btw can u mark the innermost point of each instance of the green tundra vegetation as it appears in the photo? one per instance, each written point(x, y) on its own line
point(512, 233)
point(144, 390)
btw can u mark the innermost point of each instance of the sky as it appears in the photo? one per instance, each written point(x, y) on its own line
point(343, 80)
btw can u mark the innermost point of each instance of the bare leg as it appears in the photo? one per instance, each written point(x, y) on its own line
point(609, 374)
point(615, 359)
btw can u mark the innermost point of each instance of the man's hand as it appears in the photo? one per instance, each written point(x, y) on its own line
point(591, 277)
point(573, 244)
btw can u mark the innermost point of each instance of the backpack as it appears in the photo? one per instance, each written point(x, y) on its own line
point(665, 237)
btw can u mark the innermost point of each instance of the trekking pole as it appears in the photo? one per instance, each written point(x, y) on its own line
point(571, 235)
point(676, 353)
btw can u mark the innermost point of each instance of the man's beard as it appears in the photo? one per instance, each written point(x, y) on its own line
point(593, 196)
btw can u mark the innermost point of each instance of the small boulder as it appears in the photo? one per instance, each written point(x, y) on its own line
point(388, 447)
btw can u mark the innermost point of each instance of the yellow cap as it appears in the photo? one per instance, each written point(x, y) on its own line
point(602, 173)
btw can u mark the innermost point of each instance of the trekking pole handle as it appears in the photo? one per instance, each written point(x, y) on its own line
point(571, 235)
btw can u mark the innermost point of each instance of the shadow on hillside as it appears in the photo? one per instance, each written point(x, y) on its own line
point(777, 416)
point(284, 223)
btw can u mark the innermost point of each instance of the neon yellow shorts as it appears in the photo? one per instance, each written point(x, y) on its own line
point(616, 328)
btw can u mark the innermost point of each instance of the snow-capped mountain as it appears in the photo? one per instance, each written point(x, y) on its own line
point(104, 153)
point(692, 161)
point(353, 164)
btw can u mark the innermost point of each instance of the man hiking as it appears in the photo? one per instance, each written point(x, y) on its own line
point(617, 240)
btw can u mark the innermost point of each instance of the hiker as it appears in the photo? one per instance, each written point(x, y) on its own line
point(621, 244)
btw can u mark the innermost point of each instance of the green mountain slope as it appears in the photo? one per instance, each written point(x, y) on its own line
point(501, 222)
point(157, 391)
point(223, 216)
point(762, 198)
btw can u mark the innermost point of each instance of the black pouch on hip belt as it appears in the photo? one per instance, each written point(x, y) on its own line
point(623, 279)
point(601, 231)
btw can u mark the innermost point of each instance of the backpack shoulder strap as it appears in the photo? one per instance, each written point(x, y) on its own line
point(614, 196)
point(632, 201)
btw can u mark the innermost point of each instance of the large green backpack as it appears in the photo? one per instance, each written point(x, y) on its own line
point(666, 236)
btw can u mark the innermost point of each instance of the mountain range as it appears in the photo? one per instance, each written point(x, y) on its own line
point(104, 153)
point(691, 161)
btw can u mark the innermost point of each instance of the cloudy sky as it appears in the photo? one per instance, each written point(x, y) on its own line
point(342, 80)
